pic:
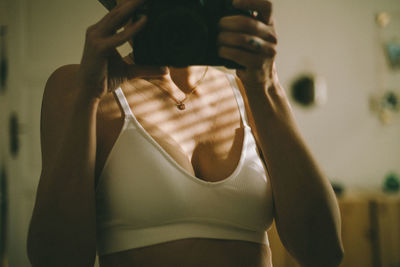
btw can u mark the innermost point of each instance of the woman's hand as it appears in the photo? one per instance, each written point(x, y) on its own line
point(250, 42)
point(102, 69)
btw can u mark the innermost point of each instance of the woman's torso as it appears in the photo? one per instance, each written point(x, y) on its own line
point(206, 140)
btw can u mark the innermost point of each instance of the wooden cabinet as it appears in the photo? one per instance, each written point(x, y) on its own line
point(387, 225)
point(357, 232)
point(370, 232)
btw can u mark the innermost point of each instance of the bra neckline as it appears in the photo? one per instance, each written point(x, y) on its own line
point(166, 155)
point(130, 117)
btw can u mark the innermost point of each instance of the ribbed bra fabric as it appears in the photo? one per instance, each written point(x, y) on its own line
point(144, 197)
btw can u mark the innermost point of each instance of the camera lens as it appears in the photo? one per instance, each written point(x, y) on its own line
point(178, 36)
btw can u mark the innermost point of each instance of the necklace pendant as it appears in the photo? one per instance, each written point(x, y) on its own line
point(181, 106)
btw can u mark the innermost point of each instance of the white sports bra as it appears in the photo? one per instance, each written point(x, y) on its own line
point(144, 197)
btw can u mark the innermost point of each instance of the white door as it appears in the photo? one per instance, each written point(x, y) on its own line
point(42, 35)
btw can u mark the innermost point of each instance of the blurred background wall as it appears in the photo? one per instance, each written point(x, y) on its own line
point(338, 41)
point(341, 41)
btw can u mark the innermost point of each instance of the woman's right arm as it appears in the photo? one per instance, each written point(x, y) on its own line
point(62, 231)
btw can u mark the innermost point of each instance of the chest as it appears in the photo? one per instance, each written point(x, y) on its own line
point(205, 139)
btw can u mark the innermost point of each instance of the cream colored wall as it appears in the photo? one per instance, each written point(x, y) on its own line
point(338, 40)
point(56, 34)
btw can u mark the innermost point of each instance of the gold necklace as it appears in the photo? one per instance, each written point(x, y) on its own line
point(180, 104)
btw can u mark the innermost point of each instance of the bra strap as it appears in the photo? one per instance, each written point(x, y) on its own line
point(123, 103)
point(239, 98)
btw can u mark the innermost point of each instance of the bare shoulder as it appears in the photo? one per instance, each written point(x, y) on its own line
point(56, 102)
point(59, 81)
point(58, 93)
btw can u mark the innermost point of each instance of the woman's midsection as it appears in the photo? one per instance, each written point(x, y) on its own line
point(193, 252)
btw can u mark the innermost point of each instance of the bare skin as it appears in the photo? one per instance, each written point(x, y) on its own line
point(193, 253)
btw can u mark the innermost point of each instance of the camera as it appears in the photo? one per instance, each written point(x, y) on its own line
point(180, 33)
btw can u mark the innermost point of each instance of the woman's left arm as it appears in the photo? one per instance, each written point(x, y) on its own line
point(306, 210)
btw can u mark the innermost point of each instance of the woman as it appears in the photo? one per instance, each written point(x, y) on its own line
point(163, 166)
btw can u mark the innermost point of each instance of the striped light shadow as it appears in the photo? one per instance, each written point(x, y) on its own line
point(181, 119)
point(185, 130)
point(184, 134)
point(154, 112)
point(142, 108)
point(193, 127)
point(195, 118)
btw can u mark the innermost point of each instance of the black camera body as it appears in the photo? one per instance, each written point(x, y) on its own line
point(180, 33)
